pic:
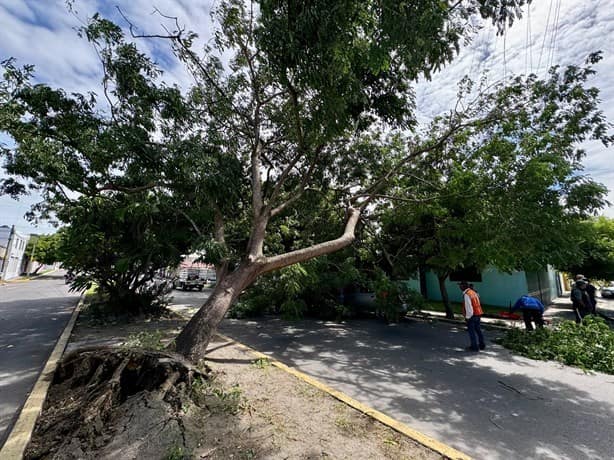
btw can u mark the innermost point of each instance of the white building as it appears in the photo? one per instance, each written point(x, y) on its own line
point(12, 252)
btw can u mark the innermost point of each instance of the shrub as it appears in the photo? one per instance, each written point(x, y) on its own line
point(412, 298)
point(149, 300)
point(589, 345)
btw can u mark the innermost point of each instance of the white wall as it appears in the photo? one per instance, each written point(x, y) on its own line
point(16, 248)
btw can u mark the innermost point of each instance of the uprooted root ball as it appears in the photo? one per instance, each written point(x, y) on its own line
point(102, 399)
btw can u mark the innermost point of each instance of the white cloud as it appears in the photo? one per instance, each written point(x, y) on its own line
point(582, 28)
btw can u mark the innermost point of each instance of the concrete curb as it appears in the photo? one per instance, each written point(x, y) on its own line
point(26, 278)
point(443, 449)
point(20, 435)
point(484, 325)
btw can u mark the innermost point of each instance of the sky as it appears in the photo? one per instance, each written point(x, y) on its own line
point(42, 32)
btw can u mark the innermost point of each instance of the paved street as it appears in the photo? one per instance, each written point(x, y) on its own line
point(32, 316)
point(492, 405)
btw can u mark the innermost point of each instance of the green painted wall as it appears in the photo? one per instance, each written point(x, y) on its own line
point(497, 288)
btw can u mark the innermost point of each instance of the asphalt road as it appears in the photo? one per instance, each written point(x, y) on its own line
point(33, 314)
point(492, 405)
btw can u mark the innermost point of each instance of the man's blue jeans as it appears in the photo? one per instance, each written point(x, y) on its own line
point(475, 333)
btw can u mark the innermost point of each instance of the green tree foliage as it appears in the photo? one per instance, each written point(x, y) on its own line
point(44, 249)
point(595, 242)
point(107, 174)
point(510, 193)
point(121, 244)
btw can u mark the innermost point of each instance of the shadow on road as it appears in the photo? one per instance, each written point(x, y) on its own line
point(492, 405)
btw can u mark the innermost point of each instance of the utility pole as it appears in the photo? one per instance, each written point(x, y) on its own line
point(33, 252)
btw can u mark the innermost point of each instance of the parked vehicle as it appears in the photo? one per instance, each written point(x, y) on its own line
point(69, 277)
point(189, 278)
point(607, 291)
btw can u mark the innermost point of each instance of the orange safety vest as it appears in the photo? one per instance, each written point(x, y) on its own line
point(475, 302)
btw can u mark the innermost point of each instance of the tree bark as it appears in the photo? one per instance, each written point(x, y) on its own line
point(422, 279)
point(194, 338)
point(444, 296)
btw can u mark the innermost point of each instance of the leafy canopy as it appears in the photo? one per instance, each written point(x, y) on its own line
point(507, 191)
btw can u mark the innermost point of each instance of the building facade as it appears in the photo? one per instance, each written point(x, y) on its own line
point(498, 288)
point(12, 249)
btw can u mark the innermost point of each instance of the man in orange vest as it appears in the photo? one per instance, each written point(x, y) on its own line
point(472, 311)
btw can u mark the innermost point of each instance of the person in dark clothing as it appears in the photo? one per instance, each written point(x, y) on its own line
point(591, 291)
point(532, 311)
point(580, 300)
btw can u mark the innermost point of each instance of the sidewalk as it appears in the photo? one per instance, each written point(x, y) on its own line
point(560, 309)
point(21, 279)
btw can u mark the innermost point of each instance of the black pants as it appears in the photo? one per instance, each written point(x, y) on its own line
point(531, 316)
point(580, 313)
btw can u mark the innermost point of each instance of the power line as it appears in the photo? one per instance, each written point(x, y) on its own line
point(554, 33)
point(530, 36)
point(541, 51)
point(504, 52)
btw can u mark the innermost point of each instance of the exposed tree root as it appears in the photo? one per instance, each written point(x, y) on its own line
point(90, 388)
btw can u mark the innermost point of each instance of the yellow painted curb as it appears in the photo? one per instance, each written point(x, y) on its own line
point(27, 278)
point(433, 444)
point(20, 436)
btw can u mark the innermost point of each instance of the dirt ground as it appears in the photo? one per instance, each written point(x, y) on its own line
point(245, 409)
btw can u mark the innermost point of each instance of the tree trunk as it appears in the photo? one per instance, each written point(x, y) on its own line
point(422, 278)
point(194, 339)
point(444, 296)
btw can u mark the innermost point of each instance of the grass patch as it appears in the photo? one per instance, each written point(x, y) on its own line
point(589, 346)
point(146, 340)
point(218, 398)
point(262, 363)
point(177, 453)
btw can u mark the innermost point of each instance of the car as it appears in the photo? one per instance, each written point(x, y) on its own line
point(607, 291)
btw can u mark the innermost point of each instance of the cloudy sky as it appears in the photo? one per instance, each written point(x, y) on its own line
point(42, 32)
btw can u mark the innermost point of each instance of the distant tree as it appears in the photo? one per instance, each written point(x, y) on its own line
point(595, 242)
point(43, 249)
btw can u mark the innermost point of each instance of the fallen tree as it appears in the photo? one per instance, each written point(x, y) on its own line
point(294, 101)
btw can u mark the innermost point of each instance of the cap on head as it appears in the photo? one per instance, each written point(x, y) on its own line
point(581, 282)
point(580, 277)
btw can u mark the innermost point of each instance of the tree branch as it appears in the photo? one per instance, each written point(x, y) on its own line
point(327, 247)
point(301, 188)
point(371, 191)
point(191, 221)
